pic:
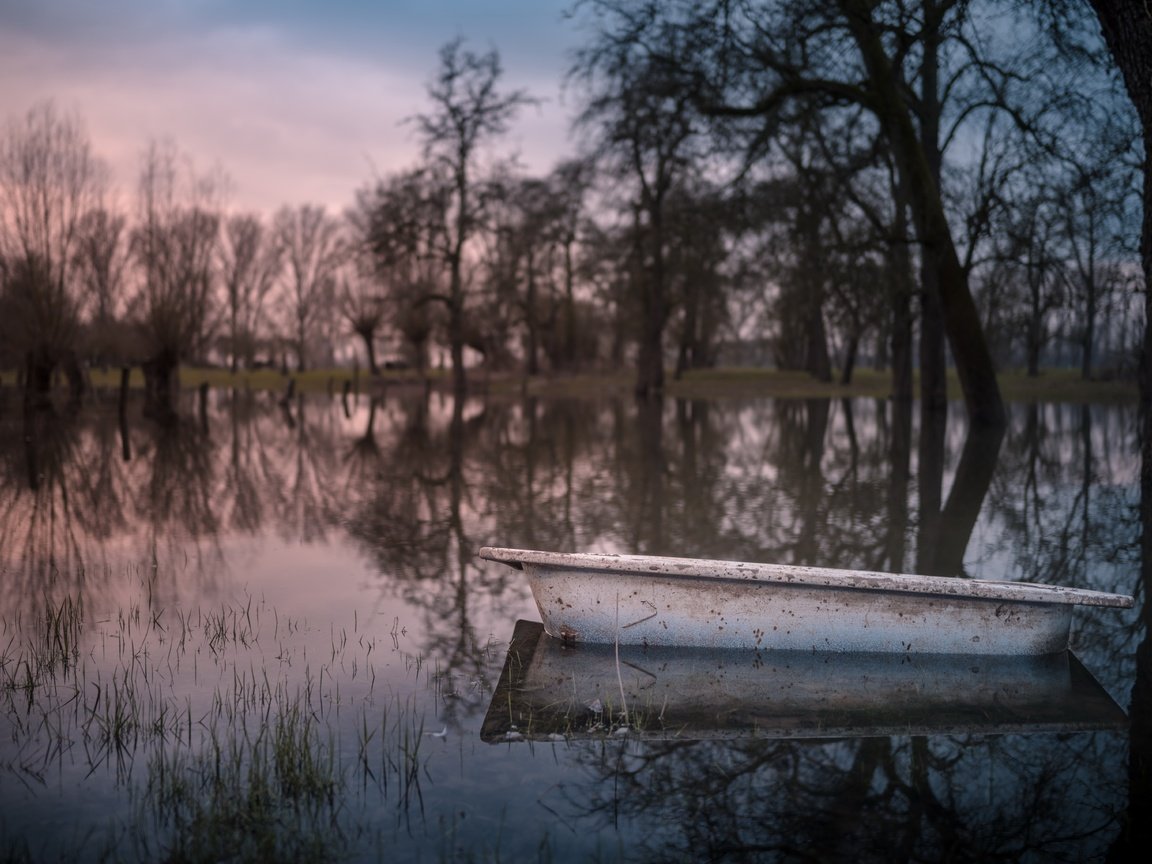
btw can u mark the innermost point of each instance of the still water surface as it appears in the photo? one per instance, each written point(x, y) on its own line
point(263, 634)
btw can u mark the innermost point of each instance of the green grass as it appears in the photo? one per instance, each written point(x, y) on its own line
point(1061, 385)
point(260, 768)
point(1056, 385)
point(1052, 385)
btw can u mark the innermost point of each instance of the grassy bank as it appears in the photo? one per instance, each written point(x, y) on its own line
point(1054, 385)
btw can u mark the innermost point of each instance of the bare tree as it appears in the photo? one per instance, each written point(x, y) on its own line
point(402, 223)
point(751, 65)
point(250, 262)
point(362, 305)
point(313, 249)
point(101, 260)
point(520, 260)
point(1032, 249)
point(571, 181)
point(1094, 210)
point(48, 181)
point(700, 225)
point(174, 246)
point(641, 113)
point(468, 110)
point(1127, 29)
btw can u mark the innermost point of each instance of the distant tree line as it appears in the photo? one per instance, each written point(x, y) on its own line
point(838, 180)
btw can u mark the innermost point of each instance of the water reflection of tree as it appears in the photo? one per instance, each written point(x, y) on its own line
point(76, 516)
point(419, 482)
point(246, 475)
point(1066, 498)
point(978, 463)
point(39, 533)
point(874, 799)
point(797, 481)
point(413, 515)
point(306, 503)
point(806, 482)
point(1063, 511)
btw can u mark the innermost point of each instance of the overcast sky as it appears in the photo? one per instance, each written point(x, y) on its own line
point(297, 100)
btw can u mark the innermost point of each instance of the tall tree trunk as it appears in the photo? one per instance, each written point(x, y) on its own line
point(533, 349)
point(74, 372)
point(650, 357)
point(38, 371)
point(569, 305)
point(961, 320)
point(850, 352)
point(234, 361)
point(456, 328)
point(456, 346)
point(301, 337)
point(933, 357)
point(369, 337)
point(160, 386)
point(1127, 28)
point(902, 287)
point(456, 287)
point(1033, 344)
point(686, 357)
point(1089, 339)
point(817, 360)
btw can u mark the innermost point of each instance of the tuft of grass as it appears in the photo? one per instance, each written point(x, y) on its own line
point(249, 767)
point(274, 796)
point(49, 650)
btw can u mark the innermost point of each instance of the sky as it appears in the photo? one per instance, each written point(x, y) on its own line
point(298, 101)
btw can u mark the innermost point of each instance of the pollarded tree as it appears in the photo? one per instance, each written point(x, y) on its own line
point(39, 322)
point(101, 260)
point(363, 300)
point(48, 181)
point(362, 304)
point(468, 111)
point(173, 247)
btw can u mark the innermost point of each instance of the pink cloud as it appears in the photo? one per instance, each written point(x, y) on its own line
point(288, 125)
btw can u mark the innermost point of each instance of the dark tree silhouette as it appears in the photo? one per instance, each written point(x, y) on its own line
point(468, 111)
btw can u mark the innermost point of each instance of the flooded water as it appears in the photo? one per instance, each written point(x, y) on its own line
point(263, 633)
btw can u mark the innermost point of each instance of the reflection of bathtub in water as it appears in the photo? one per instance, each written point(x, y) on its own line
point(548, 689)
